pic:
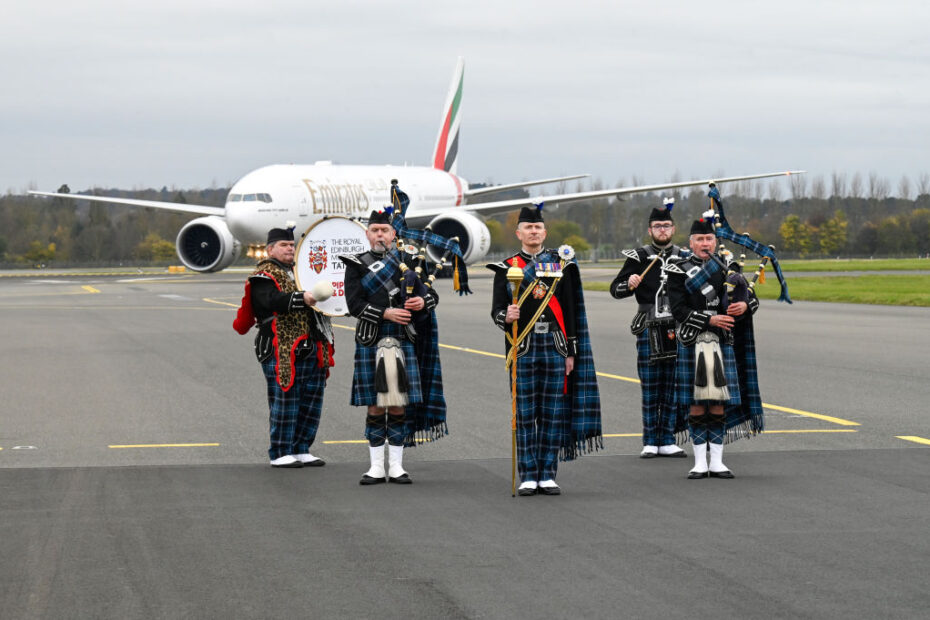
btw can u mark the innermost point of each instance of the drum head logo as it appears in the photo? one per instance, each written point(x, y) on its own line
point(317, 257)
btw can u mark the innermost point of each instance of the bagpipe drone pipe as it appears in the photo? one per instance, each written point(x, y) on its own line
point(414, 242)
point(737, 284)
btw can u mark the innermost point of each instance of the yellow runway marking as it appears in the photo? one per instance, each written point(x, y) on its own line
point(88, 290)
point(623, 434)
point(618, 377)
point(815, 430)
point(347, 441)
point(167, 445)
point(222, 303)
point(808, 414)
point(914, 438)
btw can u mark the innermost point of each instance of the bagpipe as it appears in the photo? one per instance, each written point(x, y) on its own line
point(415, 243)
point(737, 285)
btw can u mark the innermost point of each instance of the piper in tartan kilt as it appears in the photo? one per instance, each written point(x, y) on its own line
point(643, 275)
point(707, 376)
point(558, 404)
point(747, 418)
point(295, 348)
point(397, 372)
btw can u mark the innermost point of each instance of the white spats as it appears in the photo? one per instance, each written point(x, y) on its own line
point(670, 450)
point(286, 461)
point(376, 454)
point(649, 452)
point(549, 487)
point(716, 458)
point(396, 461)
point(308, 460)
point(700, 459)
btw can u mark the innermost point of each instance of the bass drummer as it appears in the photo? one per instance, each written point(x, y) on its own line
point(654, 327)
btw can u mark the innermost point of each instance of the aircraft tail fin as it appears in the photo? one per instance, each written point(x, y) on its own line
point(446, 152)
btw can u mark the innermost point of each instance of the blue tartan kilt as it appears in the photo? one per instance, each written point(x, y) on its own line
point(363, 380)
point(684, 375)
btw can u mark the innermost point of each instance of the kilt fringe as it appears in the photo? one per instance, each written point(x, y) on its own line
point(581, 446)
point(746, 429)
point(434, 431)
point(426, 420)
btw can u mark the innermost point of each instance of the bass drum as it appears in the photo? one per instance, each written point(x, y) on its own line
point(317, 258)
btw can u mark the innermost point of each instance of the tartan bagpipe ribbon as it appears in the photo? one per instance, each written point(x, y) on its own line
point(725, 232)
point(400, 202)
point(374, 280)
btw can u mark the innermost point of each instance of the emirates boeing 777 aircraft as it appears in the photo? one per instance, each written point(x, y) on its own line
point(278, 195)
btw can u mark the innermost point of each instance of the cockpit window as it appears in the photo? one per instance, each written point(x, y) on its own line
point(263, 197)
point(234, 198)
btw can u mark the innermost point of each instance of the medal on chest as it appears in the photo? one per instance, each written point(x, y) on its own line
point(539, 291)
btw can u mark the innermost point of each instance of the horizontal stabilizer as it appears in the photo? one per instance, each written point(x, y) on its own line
point(155, 204)
point(481, 191)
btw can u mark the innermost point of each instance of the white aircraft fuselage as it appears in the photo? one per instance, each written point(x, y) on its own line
point(303, 194)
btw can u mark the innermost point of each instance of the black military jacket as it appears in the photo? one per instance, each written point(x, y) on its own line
point(692, 311)
point(566, 293)
point(637, 261)
point(369, 309)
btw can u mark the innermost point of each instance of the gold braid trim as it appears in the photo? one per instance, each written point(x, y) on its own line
point(512, 354)
point(288, 327)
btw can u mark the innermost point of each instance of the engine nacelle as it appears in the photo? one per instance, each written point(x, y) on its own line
point(474, 236)
point(205, 244)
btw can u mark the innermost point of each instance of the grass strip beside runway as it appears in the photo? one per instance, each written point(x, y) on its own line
point(888, 290)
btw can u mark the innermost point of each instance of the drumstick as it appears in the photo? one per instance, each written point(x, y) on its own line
point(648, 267)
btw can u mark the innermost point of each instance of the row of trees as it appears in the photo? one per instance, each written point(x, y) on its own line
point(41, 231)
point(839, 216)
point(802, 225)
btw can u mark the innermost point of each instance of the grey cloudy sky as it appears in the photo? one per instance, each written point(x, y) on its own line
point(191, 94)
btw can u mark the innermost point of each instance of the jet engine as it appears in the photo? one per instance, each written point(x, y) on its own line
point(205, 244)
point(474, 236)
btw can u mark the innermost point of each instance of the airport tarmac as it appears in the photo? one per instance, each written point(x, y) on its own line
point(135, 480)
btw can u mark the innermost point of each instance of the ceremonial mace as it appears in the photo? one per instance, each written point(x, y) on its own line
point(514, 276)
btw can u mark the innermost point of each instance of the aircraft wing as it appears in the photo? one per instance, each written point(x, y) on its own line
point(504, 206)
point(481, 191)
point(155, 204)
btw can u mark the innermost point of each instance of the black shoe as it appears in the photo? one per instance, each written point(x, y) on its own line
point(648, 455)
point(727, 474)
point(296, 465)
point(697, 475)
point(526, 492)
point(368, 480)
point(401, 479)
point(677, 455)
point(316, 463)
